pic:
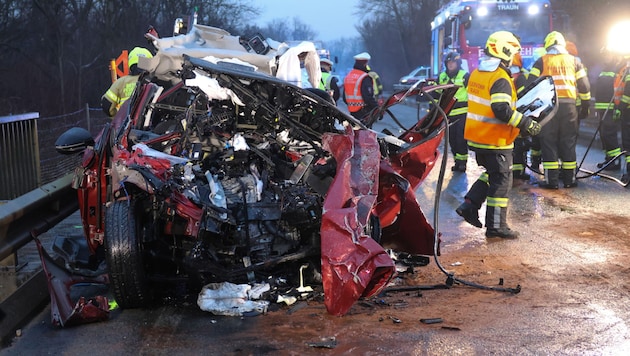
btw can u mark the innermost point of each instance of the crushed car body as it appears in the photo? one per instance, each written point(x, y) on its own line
point(217, 171)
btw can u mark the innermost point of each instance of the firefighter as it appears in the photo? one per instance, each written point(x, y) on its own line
point(622, 110)
point(559, 136)
point(521, 144)
point(534, 149)
point(378, 85)
point(492, 124)
point(454, 74)
point(328, 81)
point(605, 110)
point(123, 87)
point(358, 88)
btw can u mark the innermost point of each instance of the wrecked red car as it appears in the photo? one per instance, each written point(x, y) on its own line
point(216, 171)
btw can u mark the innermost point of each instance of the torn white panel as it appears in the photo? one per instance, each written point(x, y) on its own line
point(232, 299)
point(213, 90)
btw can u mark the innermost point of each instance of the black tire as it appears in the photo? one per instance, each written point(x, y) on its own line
point(123, 249)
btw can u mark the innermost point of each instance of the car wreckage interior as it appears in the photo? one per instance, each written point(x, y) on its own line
point(215, 172)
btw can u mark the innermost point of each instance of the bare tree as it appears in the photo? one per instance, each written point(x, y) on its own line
point(282, 30)
point(397, 34)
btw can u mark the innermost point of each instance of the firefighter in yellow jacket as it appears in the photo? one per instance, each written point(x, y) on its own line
point(558, 139)
point(123, 87)
point(492, 124)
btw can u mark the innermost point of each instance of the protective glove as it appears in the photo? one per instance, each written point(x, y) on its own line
point(584, 111)
point(616, 114)
point(534, 128)
point(529, 125)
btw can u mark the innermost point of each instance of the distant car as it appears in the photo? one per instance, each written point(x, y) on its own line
point(417, 75)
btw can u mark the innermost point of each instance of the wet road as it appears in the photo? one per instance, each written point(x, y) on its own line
point(571, 262)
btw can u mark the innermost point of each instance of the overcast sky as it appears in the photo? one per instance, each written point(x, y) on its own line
point(331, 19)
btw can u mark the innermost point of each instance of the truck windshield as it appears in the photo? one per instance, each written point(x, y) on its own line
point(531, 29)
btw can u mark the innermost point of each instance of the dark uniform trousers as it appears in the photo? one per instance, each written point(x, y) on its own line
point(558, 139)
point(459, 146)
point(493, 185)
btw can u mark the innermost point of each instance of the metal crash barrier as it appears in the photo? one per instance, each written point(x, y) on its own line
point(31, 214)
point(19, 155)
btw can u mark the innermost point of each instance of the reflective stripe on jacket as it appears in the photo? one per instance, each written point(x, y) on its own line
point(483, 129)
point(621, 80)
point(461, 95)
point(565, 71)
point(352, 89)
point(324, 84)
point(121, 90)
point(604, 90)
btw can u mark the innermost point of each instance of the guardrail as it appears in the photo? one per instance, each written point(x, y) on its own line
point(33, 213)
point(19, 155)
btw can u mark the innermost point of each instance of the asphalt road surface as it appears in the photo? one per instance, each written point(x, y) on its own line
point(571, 263)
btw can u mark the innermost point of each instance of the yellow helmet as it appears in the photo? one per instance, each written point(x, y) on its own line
point(503, 45)
point(554, 38)
point(137, 52)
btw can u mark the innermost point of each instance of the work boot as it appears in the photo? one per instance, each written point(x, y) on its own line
point(545, 185)
point(607, 166)
point(551, 179)
point(470, 213)
point(502, 232)
point(568, 178)
point(460, 166)
point(536, 161)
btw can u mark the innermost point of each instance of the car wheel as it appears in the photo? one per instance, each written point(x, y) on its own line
point(125, 260)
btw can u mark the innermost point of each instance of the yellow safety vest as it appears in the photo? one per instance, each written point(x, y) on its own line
point(483, 129)
point(461, 95)
point(561, 67)
point(121, 90)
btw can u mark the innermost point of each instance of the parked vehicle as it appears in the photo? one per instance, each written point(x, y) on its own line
point(419, 74)
point(215, 170)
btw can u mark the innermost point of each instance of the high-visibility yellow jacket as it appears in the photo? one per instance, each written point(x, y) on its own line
point(120, 91)
point(483, 128)
point(461, 95)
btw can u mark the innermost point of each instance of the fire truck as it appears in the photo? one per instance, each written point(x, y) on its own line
point(464, 26)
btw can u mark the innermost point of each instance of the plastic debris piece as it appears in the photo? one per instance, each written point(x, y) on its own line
point(286, 299)
point(456, 263)
point(302, 288)
point(229, 299)
point(431, 320)
point(327, 343)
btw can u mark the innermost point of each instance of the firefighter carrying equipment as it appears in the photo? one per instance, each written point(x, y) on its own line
point(483, 129)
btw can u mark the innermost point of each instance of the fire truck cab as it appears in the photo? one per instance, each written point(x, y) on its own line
point(464, 26)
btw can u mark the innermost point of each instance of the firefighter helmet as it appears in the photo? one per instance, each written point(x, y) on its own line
point(554, 38)
point(453, 56)
point(503, 45)
point(136, 53)
point(517, 60)
point(572, 48)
